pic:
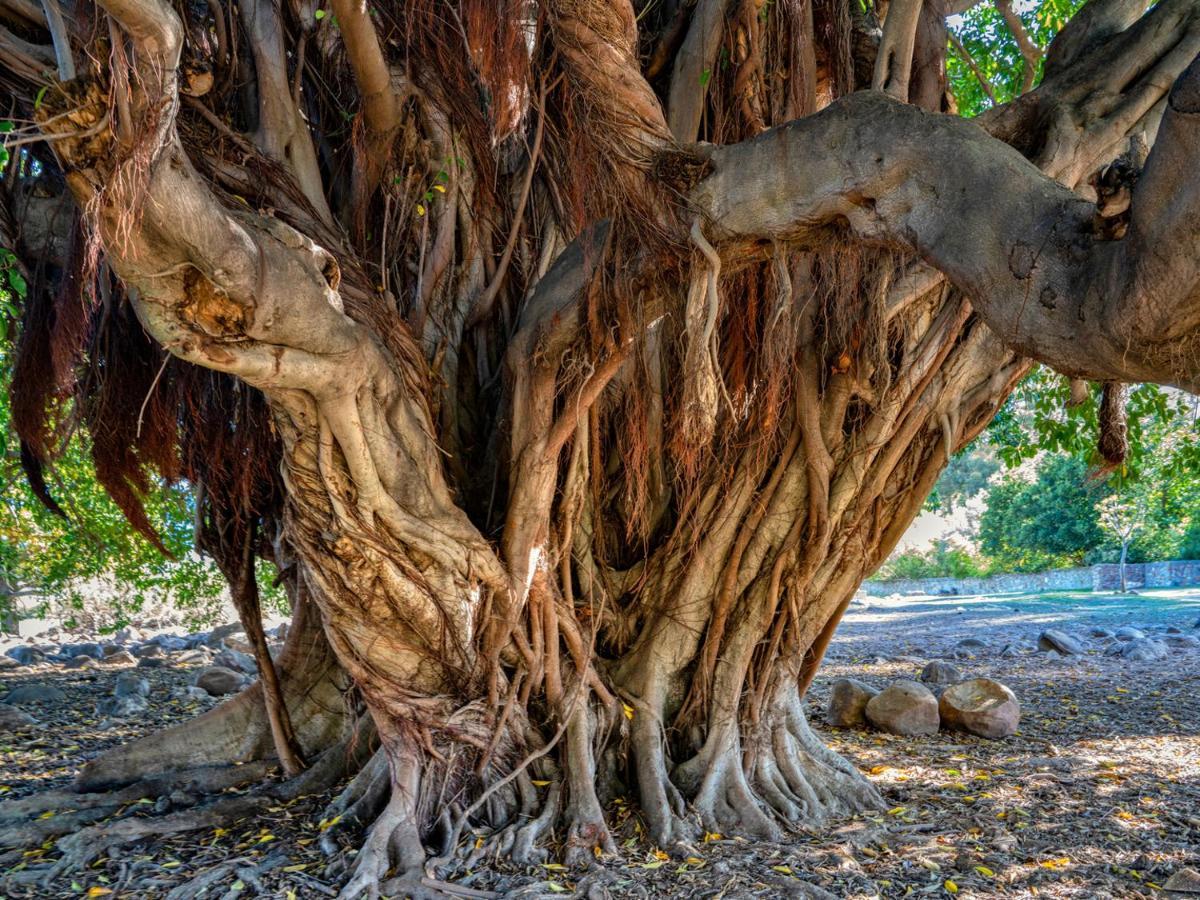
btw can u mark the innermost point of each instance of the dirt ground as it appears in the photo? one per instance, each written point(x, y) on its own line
point(1097, 796)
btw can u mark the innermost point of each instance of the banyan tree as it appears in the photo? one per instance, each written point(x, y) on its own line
point(572, 360)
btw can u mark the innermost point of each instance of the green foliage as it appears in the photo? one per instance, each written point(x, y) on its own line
point(53, 557)
point(1049, 522)
point(965, 477)
point(942, 560)
point(986, 37)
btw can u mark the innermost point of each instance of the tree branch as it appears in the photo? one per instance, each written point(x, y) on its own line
point(1030, 52)
point(693, 69)
point(974, 67)
point(1028, 258)
point(381, 111)
point(893, 64)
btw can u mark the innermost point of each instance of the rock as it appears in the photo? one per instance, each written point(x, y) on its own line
point(1129, 633)
point(25, 656)
point(151, 662)
point(192, 692)
point(146, 651)
point(1171, 629)
point(35, 693)
point(1143, 650)
point(905, 707)
point(170, 642)
point(7, 662)
point(121, 706)
point(981, 706)
point(219, 681)
point(1100, 633)
point(11, 717)
point(194, 657)
point(281, 632)
point(1184, 881)
point(972, 644)
point(130, 684)
point(239, 643)
point(236, 660)
point(221, 632)
point(80, 662)
point(1184, 641)
point(112, 650)
point(95, 651)
point(1060, 642)
point(120, 658)
point(848, 702)
point(942, 673)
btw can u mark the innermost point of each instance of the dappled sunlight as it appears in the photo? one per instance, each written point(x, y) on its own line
point(1098, 794)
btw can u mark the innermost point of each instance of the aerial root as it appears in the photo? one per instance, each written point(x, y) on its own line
point(358, 803)
point(661, 802)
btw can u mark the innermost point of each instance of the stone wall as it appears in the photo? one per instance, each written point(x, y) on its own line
point(1104, 577)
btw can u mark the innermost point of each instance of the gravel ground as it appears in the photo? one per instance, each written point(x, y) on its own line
point(1098, 795)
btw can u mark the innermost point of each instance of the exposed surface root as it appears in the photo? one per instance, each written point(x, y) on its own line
point(85, 842)
point(23, 825)
point(237, 731)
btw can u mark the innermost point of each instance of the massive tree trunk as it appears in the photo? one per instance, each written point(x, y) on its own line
point(587, 432)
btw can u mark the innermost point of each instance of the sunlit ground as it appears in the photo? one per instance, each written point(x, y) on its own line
point(1098, 796)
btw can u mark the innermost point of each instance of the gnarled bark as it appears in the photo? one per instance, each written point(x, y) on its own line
point(581, 472)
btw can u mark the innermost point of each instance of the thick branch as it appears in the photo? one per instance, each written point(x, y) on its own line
point(1028, 258)
point(381, 110)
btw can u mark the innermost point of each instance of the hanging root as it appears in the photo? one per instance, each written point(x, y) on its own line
point(394, 843)
point(662, 803)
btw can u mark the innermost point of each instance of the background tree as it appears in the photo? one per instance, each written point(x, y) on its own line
point(573, 361)
point(1028, 526)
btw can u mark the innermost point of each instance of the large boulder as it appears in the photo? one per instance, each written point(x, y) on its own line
point(11, 717)
point(35, 693)
point(848, 700)
point(82, 661)
point(122, 706)
point(940, 673)
point(1182, 641)
point(981, 706)
point(95, 651)
point(219, 681)
point(905, 707)
point(1059, 642)
point(1143, 650)
point(197, 656)
point(121, 658)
